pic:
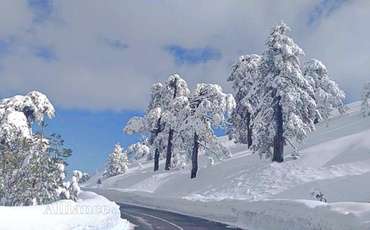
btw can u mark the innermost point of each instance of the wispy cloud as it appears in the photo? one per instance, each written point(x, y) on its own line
point(324, 9)
point(41, 9)
point(193, 55)
point(45, 53)
point(116, 43)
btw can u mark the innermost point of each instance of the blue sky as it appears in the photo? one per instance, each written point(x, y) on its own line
point(91, 135)
point(96, 60)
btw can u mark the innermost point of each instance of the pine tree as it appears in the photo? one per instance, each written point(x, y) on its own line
point(246, 78)
point(207, 109)
point(174, 88)
point(158, 122)
point(327, 94)
point(365, 100)
point(287, 108)
point(156, 126)
point(117, 162)
point(74, 187)
point(30, 174)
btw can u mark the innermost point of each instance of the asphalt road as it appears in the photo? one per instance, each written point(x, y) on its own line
point(152, 219)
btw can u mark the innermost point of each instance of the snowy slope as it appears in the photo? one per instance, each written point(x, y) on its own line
point(335, 159)
point(91, 212)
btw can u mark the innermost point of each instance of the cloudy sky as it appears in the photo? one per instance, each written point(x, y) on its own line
point(96, 59)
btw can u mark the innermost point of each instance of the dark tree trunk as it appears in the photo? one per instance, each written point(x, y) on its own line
point(278, 154)
point(249, 130)
point(194, 157)
point(175, 88)
point(156, 160)
point(155, 133)
point(170, 134)
point(169, 150)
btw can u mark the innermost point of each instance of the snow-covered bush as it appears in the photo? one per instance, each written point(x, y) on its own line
point(74, 187)
point(117, 162)
point(85, 177)
point(138, 151)
point(31, 165)
point(365, 108)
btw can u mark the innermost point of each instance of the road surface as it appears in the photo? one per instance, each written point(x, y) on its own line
point(152, 219)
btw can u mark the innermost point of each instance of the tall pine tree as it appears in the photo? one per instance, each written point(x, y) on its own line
point(207, 108)
point(287, 108)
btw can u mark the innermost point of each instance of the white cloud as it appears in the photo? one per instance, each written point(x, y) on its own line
point(88, 72)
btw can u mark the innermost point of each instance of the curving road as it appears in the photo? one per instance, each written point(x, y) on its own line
point(152, 219)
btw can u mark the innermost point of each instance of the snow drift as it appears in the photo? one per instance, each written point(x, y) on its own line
point(91, 212)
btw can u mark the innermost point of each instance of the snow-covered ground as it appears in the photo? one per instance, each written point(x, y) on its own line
point(248, 191)
point(91, 212)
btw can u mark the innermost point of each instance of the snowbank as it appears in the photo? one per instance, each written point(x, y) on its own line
point(300, 215)
point(91, 212)
point(277, 214)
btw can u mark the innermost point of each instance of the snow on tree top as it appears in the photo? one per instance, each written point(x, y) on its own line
point(34, 105)
point(279, 43)
point(19, 112)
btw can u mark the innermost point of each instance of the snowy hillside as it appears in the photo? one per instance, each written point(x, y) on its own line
point(335, 159)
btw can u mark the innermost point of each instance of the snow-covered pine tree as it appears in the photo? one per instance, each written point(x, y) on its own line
point(365, 108)
point(158, 122)
point(175, 87)
point(287, 108)
point(207, 109)
point(150, 125)
point(154, 116)
point(44, 174)
point(74, 187)
point(117, 162)
point(246, 78)
point(30, 175)
point(327, 94)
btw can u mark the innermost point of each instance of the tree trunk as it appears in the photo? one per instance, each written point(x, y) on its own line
point(194, 157)
point(156, 160)
point(170, 134)
point(249, 130)
point(278, 154)
point(169, 150)
point(155, 133)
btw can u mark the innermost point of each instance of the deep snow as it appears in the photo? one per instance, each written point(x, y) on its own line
point(247, 191)
point(91, 212)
